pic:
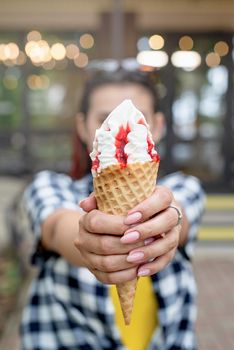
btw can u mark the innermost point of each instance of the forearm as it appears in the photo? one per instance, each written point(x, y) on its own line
point(59, 232)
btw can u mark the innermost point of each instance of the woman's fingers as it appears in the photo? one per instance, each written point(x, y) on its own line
point(158, 201)
point(116, 277)
point(88, 203)
point(162, 222)
point(103, 244)
point(157, 248)
point(108, 263)
point(156, 265)
point(98, 222)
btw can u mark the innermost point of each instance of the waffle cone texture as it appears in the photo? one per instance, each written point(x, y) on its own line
point(117, 191)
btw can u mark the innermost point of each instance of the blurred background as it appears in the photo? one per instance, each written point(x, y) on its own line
point(46, 51)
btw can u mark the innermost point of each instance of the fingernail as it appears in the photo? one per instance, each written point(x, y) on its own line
point(143, 272)
point(148, 240)
point(133, 218)
point(80, 202)
point(133, 257)
point(130, 237)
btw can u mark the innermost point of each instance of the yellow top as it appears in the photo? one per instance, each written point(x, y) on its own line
point(144, 318)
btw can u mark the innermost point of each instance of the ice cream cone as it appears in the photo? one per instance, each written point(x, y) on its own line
point(117, 191)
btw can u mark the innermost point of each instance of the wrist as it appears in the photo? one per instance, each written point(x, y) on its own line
point(59, 232)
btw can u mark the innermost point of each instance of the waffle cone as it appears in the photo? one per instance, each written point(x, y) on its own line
point(117, 191)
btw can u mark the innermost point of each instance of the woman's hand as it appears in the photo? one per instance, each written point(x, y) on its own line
point(117, 249)
point(100, 246)
point(156, 226)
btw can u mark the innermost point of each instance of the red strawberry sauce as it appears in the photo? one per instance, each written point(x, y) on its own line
point(121, 140)
point(96, 163)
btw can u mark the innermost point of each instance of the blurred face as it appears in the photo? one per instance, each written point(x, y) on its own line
point(105, 98)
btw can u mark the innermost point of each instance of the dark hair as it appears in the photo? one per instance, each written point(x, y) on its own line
point(81, 163)
point(118, 77)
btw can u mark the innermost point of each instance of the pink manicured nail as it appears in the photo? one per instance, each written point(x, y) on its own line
point(82, 201)
point(148, 240)
point(130, 237)
point(133, 257)
point(143, 272)
point(133, 218)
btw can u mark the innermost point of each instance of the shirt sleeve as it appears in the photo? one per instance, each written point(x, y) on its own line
point(48, 191)
point(188, 191)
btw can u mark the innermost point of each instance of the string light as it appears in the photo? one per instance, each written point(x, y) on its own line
point(156, 42)
point(58, 51)
point(81, 60)
point(9, 51)
point(34, 35)
point(86, 41)
point(188, 60)
point(143, 44)
point(72, 51)
point(221, 48)
point(186, 43)
point(213, 59)
point(21, 59)
point(36, 82)
point(155, 59)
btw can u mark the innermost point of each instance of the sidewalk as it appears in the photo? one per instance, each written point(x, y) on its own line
point(214, 270)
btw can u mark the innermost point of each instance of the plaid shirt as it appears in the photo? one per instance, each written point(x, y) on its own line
point(69, 308)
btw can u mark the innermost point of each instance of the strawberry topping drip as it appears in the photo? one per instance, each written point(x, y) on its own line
point(121, 140)
point(155, 157)
point(141, 121)
point(96, 163)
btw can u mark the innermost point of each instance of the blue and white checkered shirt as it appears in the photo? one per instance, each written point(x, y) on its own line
point(69, 309)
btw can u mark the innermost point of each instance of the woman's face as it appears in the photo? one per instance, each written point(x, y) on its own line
point(105, 98)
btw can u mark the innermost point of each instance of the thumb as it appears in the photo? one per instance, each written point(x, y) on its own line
point(88, 203)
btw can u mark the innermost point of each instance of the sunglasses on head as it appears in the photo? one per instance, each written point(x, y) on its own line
point(110, 65)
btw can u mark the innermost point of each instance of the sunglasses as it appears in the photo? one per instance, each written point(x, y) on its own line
point(110, 65)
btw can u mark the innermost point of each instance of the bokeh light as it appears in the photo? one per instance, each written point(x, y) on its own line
point(36, 82)
point(72, 51)
point(213, 59)
point(156, 42)
point(10, 51)
point(21, 59)
point(34, 35)
point(186, 43)
point(38, 51)
point(143, 43)
point(155, 59)
point(221, 48)
point(10, 82)
point(81, 60)
point(86, 41)
point(188, 60)
point(58, 51)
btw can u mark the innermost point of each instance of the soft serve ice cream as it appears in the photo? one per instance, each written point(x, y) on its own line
point(124, 168)
point(123, 138)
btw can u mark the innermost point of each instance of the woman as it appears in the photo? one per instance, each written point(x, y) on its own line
point(81, 251)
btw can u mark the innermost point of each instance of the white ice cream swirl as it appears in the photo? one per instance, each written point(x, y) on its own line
point(126, 115)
